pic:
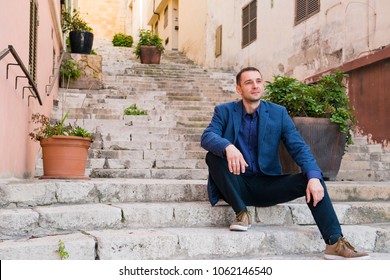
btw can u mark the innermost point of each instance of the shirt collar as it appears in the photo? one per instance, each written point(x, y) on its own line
point(244, 113)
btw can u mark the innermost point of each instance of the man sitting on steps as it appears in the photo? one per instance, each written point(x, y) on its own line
point(242, 141)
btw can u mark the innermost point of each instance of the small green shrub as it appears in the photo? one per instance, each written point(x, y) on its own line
point(61, 250)
point(133, 110)
point(69, 70)
point(122, 40)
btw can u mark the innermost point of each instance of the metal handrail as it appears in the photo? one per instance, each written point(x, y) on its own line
point(56, 74)
point(32, 86)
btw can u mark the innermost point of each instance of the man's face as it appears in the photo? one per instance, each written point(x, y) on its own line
point(251, 87)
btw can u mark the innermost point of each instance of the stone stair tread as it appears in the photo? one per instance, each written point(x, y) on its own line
point(261, 242)
point(116, 215)
point(42, 192)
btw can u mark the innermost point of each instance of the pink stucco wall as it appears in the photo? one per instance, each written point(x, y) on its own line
point(17, 152)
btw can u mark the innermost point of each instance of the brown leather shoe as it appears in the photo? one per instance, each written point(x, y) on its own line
point(342, 250)
point(242, 222)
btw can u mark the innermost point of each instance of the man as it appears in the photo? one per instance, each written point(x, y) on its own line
point(244, 169)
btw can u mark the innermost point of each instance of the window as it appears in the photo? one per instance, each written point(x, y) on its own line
point(166, 17)
point(218, 41)
point(249, 23)
point(305, 9)
point(32, 59)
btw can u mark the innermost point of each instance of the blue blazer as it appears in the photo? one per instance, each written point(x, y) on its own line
point(275, 125)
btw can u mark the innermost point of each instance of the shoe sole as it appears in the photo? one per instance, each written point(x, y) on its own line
point(239, 228)
point(334, 257)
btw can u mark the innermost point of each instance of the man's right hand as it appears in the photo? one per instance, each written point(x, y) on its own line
point(236, 162)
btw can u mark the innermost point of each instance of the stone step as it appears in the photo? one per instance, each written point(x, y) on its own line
point(30, 193)
point(264, 242)
point(363, 175)
point(26, 222)
point(154, 173)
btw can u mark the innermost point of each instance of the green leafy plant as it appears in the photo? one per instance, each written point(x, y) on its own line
point(69, 70)
point(61, 250)
point(134, 110)
point(325, 99)
point(147, 38)
point(122, 40)
point(73, 21)
point(48, 128)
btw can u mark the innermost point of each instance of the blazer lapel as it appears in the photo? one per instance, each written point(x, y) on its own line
point(237, 116)
point(263, 122)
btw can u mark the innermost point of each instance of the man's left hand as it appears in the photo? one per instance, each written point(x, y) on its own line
point(314, 191)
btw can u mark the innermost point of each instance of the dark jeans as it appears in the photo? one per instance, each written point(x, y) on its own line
point(241, 191)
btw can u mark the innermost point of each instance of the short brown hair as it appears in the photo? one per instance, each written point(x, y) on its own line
point(246, 69)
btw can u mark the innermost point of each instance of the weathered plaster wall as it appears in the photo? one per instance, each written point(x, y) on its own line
point(18, 152)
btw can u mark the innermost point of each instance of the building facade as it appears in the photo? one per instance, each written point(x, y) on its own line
point(30, 53)
point(302, 39)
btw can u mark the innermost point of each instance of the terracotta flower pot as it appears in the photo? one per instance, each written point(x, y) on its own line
point(150, 55)
point(65, 157)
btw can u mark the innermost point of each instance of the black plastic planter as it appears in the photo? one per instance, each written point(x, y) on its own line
point(81, 41)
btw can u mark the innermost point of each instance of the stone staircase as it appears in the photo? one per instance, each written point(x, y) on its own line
point(172, 219)
point(147, 195)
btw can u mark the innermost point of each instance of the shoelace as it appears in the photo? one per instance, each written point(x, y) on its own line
point(342, 242)
point(239, 216)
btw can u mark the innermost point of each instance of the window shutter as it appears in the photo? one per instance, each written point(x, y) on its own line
point(32, 60)
point(249, 23)
point(305, 9)
point(166, 17)
point(218, 41)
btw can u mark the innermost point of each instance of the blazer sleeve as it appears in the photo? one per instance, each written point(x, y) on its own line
point(213, 139)
point(297, 147)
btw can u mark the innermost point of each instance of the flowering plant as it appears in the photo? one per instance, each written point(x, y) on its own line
point(49, 128)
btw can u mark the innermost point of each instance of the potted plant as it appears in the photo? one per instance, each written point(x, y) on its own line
point(64, 147)
point(80, 33)
point(322, 115)
point(149, 47)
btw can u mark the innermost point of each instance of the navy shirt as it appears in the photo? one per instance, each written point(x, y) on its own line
point(247, 143)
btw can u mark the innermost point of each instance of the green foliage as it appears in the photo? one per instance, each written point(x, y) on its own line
point(324, 99)
point(133, 110)
point(147, 38)
point(48, 128)
point(122, 40)
point(73, 21)
point(61, 250)
point(69, 70)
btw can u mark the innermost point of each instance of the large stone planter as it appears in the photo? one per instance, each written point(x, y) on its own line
point(326, 143)
point(90, 67)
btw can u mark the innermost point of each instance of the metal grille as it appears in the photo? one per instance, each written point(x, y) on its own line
point(305, 9)
point(32, 61)
point(249, 23)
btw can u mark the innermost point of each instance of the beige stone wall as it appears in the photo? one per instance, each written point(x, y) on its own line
point(106, 17)
point(193, 29)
